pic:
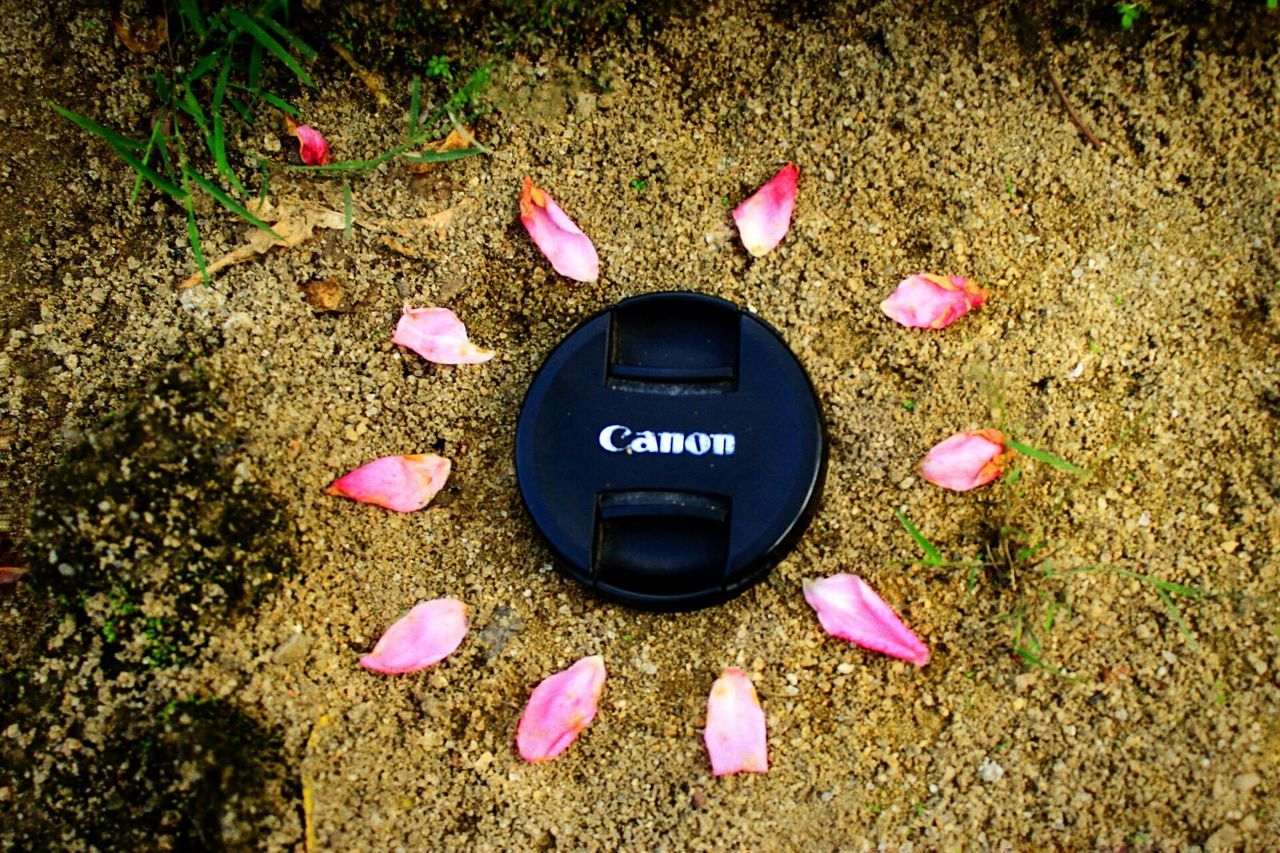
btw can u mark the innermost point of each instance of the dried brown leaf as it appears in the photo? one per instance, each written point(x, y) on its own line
point(460, 137)
point(371, 79)
point(327, 296)
point(295, 221)
point(145, 35)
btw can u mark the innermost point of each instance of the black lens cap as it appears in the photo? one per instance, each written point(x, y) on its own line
point(671, 450)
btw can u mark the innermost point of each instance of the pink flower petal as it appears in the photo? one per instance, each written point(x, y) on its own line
point(850, 609)
point(11, 574)
point(425, 635)
point(401, 483)
point(966, 460)
point(928, 301)
point(553, 232)
point(437, 335)
point(313, 148)
point(735, 734)
point(765, 218)
point(559, 709)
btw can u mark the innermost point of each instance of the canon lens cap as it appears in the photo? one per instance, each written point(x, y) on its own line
point(671, 450)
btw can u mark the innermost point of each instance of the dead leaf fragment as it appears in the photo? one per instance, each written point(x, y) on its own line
point(327, 296)
point(145, 35)
point(460, 137)
point(293, 220)
point(11, 574)
point(415, 226)
point(371, 79)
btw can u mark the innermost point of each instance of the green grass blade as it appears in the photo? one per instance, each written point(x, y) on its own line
point(1045, 457)
point(106, 134)
point(1191, 592)
point(274, 100)
point(1175, 613)
point(242, 110)
point(1049, 616)
point(191, 107)
point(250, 27)
point(253, 77)
point(348, 212)
point(190, 12)
point(303, 49)
point(146, 157)
point(415, 104)
point(153, 177)
point(1194, 593)
point(279, 103)
point(349, 165)
point(443, 156)
point(220, 87)
point(220, 196)
point(932, 556)
point(219, 151)
point(193, 237)
point(201, 68)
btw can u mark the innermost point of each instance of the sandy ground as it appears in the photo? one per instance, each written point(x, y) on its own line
point(1134, 318)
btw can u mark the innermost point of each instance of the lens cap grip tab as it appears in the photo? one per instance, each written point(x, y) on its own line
point(671, 450)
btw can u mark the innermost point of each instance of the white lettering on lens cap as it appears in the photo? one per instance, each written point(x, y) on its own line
point(617, 438)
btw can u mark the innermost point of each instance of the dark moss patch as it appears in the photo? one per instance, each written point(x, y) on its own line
point(181, 775)
point(440, 41)
point(147, 535)
point(152, 530)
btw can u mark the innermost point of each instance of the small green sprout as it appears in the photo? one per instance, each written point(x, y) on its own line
point(639, 185)
point(1129, 13)
point(438, 67)
point(909, 405)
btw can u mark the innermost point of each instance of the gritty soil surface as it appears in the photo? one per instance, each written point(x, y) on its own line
point(1133, 326)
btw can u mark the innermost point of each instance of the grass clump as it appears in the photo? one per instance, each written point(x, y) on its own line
point(1014, 551)
point(219, 70)
point(222, 69)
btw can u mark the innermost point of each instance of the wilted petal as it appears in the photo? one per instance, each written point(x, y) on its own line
point(553, 232)
point(313, 148)
point(765, 218)
point(425, 635)
point(559, 709)
point(850, 609)
point(735, 733)
point(402, 483)
point(929, 301)
point(11, 574)
point(437, 335)
point(966, 460)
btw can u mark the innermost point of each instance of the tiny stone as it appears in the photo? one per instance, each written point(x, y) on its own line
point(990, 770)
point(1247, 781)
